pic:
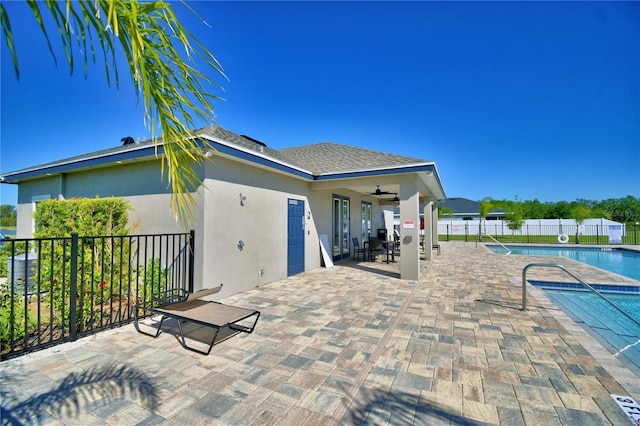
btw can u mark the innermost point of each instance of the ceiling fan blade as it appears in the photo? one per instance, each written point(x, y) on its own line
point(379, 192)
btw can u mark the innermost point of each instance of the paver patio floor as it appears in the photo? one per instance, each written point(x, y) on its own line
point(352, 344)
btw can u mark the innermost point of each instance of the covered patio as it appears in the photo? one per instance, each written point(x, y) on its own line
point(410, 187)
point(350, 344)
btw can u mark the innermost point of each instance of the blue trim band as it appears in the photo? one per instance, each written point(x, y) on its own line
point(62, 168)
point(151, 150)
point(366, 173)
point(237, 153)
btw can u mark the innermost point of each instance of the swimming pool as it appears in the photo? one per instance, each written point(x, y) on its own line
point(614, 328)
point(621, 261)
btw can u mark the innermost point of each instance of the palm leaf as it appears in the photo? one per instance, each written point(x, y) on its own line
point(36, 13)
point(175, 93)
point(8, 35)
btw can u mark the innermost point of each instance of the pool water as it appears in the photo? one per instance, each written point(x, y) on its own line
point(615, 328)
point(620, 261)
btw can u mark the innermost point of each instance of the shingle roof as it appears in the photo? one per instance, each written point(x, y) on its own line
point(243, 141)
point(466, 206)
point(460, 205)
point(326, 157)
point(318, 159)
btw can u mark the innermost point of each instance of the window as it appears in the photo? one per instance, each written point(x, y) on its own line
point(365, 232)
point(341, 233)
point(34, 204)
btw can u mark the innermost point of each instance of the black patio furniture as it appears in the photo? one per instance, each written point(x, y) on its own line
point(187, 307)
point(357, 249)
point(377, 246)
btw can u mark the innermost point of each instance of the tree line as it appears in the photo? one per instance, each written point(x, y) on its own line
point(624, 210)
point(8, 215)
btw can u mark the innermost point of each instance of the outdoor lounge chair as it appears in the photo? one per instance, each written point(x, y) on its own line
point(183, 306)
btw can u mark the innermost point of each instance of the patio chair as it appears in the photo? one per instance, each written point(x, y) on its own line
point(375, 247)
point(357, 249)
point(396, 239)
point(227, 321)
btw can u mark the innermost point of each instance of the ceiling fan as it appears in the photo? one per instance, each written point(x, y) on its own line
point(389, 200)
point(379, 192)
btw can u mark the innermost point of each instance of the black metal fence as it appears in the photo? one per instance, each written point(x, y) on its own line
point(543, 234)
point(59, 289)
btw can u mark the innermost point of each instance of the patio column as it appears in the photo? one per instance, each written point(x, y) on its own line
point(409, 230)
point(434, 223)
point(428, 234)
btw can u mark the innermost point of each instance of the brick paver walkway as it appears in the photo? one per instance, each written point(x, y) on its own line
point(352, 344)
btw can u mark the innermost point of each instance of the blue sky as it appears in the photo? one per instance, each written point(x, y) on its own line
point(534, 100)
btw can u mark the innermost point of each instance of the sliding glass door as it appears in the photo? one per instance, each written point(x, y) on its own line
point(341, 232)
point(365, 215)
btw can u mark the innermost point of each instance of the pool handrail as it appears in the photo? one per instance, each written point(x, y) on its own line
point(499, 243)
point(583, 282)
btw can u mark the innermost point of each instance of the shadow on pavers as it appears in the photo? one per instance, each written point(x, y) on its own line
point(400, 408)
point(76, 390)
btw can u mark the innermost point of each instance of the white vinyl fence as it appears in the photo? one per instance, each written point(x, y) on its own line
point(605, 231)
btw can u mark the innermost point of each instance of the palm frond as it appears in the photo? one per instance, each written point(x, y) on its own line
point(109, 382)
point(161, 54)
point(36, 13)
point(8, 36)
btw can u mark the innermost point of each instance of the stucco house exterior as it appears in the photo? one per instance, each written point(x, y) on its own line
point(260, 212)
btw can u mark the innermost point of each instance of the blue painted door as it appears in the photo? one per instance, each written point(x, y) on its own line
point(295, 237)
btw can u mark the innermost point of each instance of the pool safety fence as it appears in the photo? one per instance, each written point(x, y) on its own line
point(545, 234)
point(54, 290)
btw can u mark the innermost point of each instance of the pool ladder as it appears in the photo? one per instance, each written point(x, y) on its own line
point(499, 243)
point(584, 283)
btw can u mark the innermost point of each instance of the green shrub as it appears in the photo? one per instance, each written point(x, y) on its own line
point(155, 279)
point(85, 216)
point(103, 263)
point(17, 317)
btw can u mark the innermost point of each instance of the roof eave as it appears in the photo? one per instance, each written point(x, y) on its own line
point(376, 171)
point(427, 171)
point(436, 186)
point(225, 148)
point(81, 162)
point(255, 157)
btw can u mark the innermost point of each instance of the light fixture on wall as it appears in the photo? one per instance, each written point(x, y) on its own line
point(242, 199)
